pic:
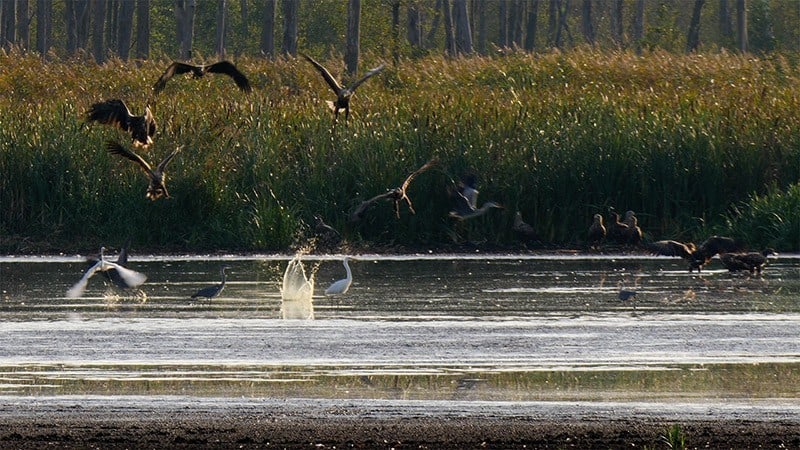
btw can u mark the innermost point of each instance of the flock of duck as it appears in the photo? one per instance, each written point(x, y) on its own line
point(142, 130)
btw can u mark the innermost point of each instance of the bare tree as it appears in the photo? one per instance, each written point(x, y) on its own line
point(184, 19)
point(413, 25)
point(725, 22)
point(517, 14)
point(112, 18)
point(502, 27)
point(437, 18)
point(449, 32)
point(638, 25)
point(70, 21)
point(480, 12)
point(23, 24)
point(268, 29)
point(552, 22)
point(44, 10)
point(395, 29)
point(98, 27)
point(142, 29)
point(351, 52)
point(8, 25)
point(693, 38)
point(290, 10)
point(741, 25)
point(532, 27)
point(616, 23)
point(125, 30)
point(463, 33)
point(82, 22)
point(586, 22)
point(219, 36)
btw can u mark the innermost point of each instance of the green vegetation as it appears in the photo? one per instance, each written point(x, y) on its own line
point(674, 438)
point(698, 144)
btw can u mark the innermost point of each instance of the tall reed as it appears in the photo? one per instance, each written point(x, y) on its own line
point(682, 140)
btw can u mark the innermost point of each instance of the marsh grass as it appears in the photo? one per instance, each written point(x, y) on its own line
point(695, 144)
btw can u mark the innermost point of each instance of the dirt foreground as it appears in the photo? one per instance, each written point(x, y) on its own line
point(32, 423)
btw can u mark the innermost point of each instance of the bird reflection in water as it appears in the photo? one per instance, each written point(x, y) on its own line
point(297, 291)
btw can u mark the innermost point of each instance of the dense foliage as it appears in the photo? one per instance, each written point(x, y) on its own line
point(695, 144)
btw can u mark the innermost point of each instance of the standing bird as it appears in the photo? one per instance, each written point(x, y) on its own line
point(523, 229)
point(597, 231)
point(213, 291)
point(131, 278)
point(617, 231)
point(224, 67)
point(753, 262)
point(625, 294)
point(327, 236)
point(343, 93)
point(634, 236)
point(341, 286)
point(396, 195)
point(114, 112)
point(157, 187)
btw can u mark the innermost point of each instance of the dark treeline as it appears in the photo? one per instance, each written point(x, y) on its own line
point(186, 28)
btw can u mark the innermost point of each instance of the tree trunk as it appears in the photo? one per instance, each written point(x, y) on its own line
point(482, 27)
point(552, 22)
point(351, 52)
point(741, 25)
point(463, 31)
point(290, 9)
point(219, 36)
point(396, 30)
point(8, 33)
point(413, 25)
point(142, 29)
point(268, 30)
point(586, 22)
point(532, 27)
point(638, 25)
point(693, 38)
point(516, 23)
point(725, 23)
point(449, 33)
point(184, 18)
point(71, 27)
point(112, 19)
point(437, 19)
point(502, 27)
point(98, 28)
point(126, 9)
point(23, 24)
point(82, 22)
point(562, 23)
point(43, 25)
point(616, 23)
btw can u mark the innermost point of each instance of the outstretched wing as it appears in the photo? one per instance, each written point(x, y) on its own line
point(163, 164)
point(424, 167)
point(358, 214)
point(227, 68)
point(80, 287)
point(111, 112)
point(325, 74)
point(366, 76)
point(116, 149)
point(176, 68)
point(131, 278)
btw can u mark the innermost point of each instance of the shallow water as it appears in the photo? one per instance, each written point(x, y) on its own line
point(422, 327)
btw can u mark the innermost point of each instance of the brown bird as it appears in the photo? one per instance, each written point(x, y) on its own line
point(157, 187)
point(618, 232)
point(753, 262)
point(634, 236)
point(523, 229)
point(223, 67)
point(343, 93)
point(597, 231)
point(327, 236)
point(710, 247)
point(114, 112)
point(671, 248)
point(396, 195)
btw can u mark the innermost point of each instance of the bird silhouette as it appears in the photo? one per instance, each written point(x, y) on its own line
point(122, 260)
point(671, 248)
point(327, 236)
point(213, 291)
point(341, 286)
point(114, 112)
point(131, 278)
point(710, 247)
point(523, 229)
point(753, 262)
point(157, 187)
point(597, 231)
point(396, 195)
point(465, 200)
point(634, 233)
point(223, 67)
point(617, 231)
point(625, 294)
point(343, 93)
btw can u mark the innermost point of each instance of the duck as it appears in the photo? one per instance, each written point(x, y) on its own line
point(754, 262)
point(327, 236)
point(115, 112)
point(198, 71)
point(671, 248)
point(465, 200)
point(157, 187)
point(343, 93)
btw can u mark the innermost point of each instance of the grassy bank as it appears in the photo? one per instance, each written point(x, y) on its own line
point(694, 144)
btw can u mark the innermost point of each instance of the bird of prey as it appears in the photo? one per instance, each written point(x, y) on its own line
point(343, 93)
point(396, 195)
point(597, 231)
point(754, 262)
point(114, 112)
point(710, 247)
point(223, 67)
point(157, 187)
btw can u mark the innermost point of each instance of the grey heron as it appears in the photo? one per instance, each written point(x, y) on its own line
point(213, 291)
point(131, 278)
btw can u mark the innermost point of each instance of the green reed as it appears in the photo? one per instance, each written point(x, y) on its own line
point(688, 142)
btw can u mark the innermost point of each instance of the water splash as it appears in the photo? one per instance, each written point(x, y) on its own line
point(297, 291)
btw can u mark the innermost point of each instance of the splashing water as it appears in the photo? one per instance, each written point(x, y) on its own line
point(297, 291)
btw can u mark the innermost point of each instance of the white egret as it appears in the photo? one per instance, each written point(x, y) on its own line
point(131, 278)
point(213, 291)
point(341, 286)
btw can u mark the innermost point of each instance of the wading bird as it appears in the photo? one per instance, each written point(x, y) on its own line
point(343, 93)
point(114, 112)
point(122, 260)
point(341, 286)
point(597, 231)
point(327, 236)
point(213, 291)
point(523, 229)
point(625, 294)
point(396, 195)
point(131, 278)
point(753, 262)
point(157, 186)
point(223, 67)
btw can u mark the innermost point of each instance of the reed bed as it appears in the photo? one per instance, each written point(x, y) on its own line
point(696, 144)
